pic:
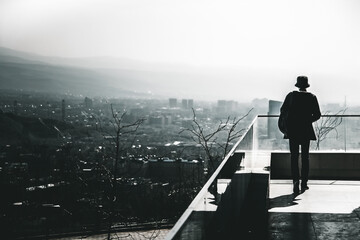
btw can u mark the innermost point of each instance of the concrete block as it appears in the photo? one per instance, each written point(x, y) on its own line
point(323, 165)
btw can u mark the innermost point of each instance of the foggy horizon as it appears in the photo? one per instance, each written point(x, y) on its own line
point(252, 49)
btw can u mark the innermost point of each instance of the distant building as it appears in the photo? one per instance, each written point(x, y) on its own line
point(137, 112)
point(172, 102)
point(157, 120)
point(186, 123)
point(190, 103)
point(224, 106)
point(274, 109)
point(184, 103)
point(167, 120)
point(160, 120)
point(187, 103)
point(88, 102)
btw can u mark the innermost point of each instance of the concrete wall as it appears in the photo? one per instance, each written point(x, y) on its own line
point(240, 212)
point(323, 165)
point(243, 208)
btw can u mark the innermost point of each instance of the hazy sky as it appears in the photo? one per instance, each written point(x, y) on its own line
point(319, 38)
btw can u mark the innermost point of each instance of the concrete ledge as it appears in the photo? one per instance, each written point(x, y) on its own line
point(323, 165)
point(243, 208)
point(231, 205)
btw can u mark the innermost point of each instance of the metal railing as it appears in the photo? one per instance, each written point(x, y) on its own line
point(333, 132)
point(342, 133)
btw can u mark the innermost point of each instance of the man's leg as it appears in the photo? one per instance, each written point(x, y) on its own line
point(305, 164)
point(294, 150)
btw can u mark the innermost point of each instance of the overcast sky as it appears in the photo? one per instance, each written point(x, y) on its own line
point(320, 39)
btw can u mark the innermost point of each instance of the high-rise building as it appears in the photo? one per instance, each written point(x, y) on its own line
point(184, 103)
point(172, 102)
point(274, 109)
point(187, 103)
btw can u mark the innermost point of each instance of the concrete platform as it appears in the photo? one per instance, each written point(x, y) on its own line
point(328, 210)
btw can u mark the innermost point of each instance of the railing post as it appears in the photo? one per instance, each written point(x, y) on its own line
point(345, 133)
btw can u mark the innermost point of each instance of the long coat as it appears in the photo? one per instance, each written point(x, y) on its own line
point(303, 109)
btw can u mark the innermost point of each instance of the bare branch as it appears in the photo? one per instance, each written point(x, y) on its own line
point(326, 125)
point(208, 139)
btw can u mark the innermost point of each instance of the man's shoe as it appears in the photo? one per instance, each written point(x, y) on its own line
point(296, 188)
point(304, 187)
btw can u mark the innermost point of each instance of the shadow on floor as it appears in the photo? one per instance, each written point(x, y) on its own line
point(283, 201)
point(311, 226)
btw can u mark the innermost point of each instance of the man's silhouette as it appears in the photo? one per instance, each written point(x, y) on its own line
point(302, 110)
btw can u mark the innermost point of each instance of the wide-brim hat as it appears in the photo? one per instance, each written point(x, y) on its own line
point(302, 82)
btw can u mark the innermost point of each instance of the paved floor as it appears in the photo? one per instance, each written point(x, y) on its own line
point(328, 210)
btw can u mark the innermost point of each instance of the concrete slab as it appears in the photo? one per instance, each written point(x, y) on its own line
point(328, 210)
point(322, 197)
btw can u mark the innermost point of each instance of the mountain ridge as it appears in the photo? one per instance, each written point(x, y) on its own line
point(34, 72)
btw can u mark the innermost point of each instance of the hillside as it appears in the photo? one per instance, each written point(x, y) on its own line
point(16, 129)
point(118, 77)
point(31, 72)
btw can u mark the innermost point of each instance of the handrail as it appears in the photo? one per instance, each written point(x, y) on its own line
point(179, 224)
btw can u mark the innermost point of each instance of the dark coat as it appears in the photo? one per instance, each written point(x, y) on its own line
point(303, 109)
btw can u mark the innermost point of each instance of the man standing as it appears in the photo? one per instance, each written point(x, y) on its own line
point(302, 110)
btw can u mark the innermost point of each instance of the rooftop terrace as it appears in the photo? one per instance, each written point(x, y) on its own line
point(250, 195)
point(328, 210)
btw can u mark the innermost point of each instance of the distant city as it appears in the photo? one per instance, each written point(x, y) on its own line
point(52, 144)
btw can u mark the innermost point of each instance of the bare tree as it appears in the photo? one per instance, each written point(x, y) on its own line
point(120, 129)
point(232, 132)
point(327, 124)
point(208, 138)
point(121, 135)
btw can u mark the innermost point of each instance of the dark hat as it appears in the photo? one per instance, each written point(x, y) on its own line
point(302, 82)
